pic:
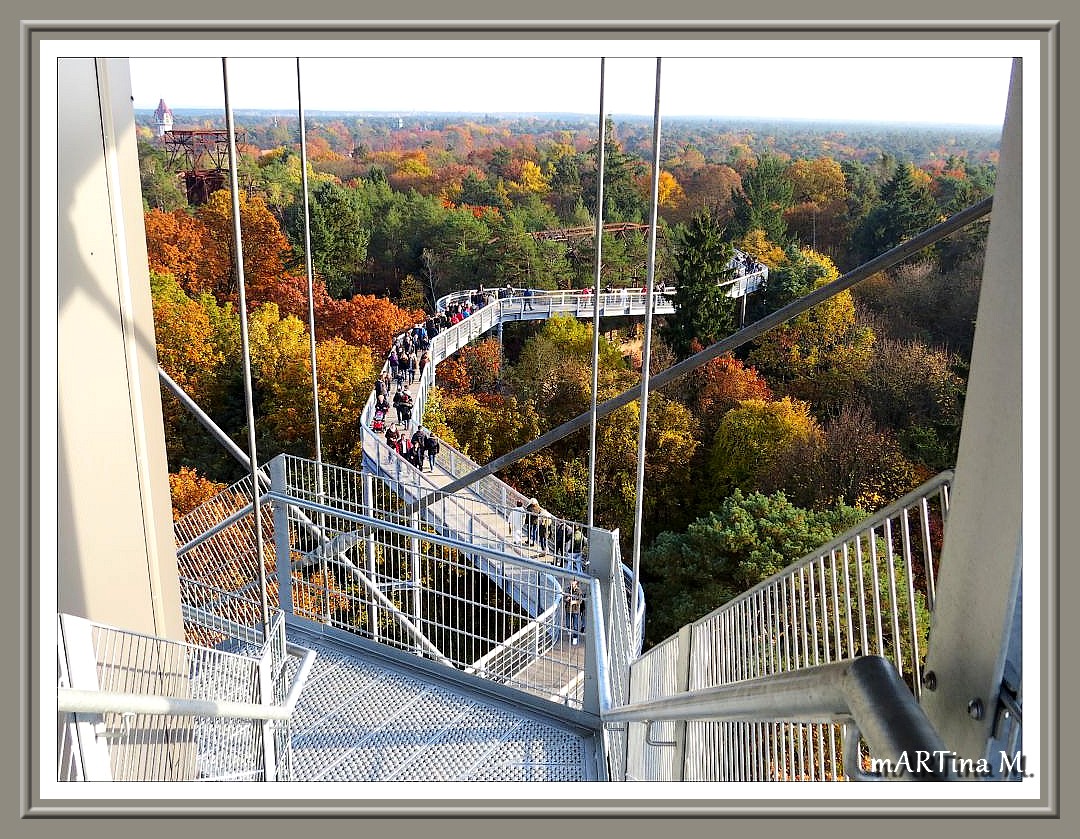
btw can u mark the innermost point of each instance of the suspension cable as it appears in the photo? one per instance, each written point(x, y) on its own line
point(238, 253)
point(308, 264)
point(596, 301)
point(646, 351)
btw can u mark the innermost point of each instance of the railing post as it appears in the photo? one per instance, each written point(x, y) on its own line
point(414, 568)
point(266, 697)
point(682, 683)
point(282, 548)
point(368, 493)
point(77, 648)
point(591, 685)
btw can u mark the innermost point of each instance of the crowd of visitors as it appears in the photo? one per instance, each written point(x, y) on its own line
point(530, 524)
point(422, 446)
point(409, 356)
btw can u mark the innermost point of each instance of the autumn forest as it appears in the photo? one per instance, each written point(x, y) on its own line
point(752, 460)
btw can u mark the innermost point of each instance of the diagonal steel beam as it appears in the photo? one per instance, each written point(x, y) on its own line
point(737, 339)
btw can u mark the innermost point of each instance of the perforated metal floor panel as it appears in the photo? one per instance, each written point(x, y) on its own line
point(361, 720)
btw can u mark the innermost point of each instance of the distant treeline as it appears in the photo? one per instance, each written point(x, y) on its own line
point(720, 140)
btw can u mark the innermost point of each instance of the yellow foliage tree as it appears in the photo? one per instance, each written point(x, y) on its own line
point(764, 251)
point(752, 436)
point(281, 359)
point(820, 356)
point(186, 345)
point(819, 181)
point(669, 192)
point(531, 180)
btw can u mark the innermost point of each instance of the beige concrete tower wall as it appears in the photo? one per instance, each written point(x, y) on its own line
point(116, 555)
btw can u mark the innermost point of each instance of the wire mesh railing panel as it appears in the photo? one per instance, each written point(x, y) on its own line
point(222, 619)
point(149, 746)
point(464, 515)
point(621, 651)
point(128, 662)
point(869, 592)
point(415, 590)
point(217, 550)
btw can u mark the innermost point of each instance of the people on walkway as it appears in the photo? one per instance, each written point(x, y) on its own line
point(528, 294)
point(432, 447)
point(547, 531)
point(393, 440)
point(413, 454)
point(403, 405)
point(574, 603)
point(532, 511)
point(382, 385)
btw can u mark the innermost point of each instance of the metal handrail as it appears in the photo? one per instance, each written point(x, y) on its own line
point(759, 274)
point(942, 479)
point(866, 691)
point(483, 665)
point(599, 643)
point(72, 700)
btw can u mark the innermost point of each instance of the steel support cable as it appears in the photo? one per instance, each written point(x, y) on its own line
point(596, 301)
point(238, 253)
point(309, 267)
point(646, 351)
point(883, 262)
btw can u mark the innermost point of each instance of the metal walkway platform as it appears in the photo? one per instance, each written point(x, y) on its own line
point(361, 719)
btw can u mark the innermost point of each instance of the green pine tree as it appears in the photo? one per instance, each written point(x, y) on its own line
point(766, 194)
point(703, 311)
point(907, 207)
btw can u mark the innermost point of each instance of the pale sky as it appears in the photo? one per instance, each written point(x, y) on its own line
point(945, 82)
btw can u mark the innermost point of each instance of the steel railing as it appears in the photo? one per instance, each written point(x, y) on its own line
point(330, 579)
point(137, 707)
point(493, 614)
point(863, 701)
point(867, 593)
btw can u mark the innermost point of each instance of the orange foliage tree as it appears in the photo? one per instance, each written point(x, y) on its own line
point(266, 250)
point(319, 596)
point(721, 384)
point(174, 244)
point(364, 320)
point(453, 377)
